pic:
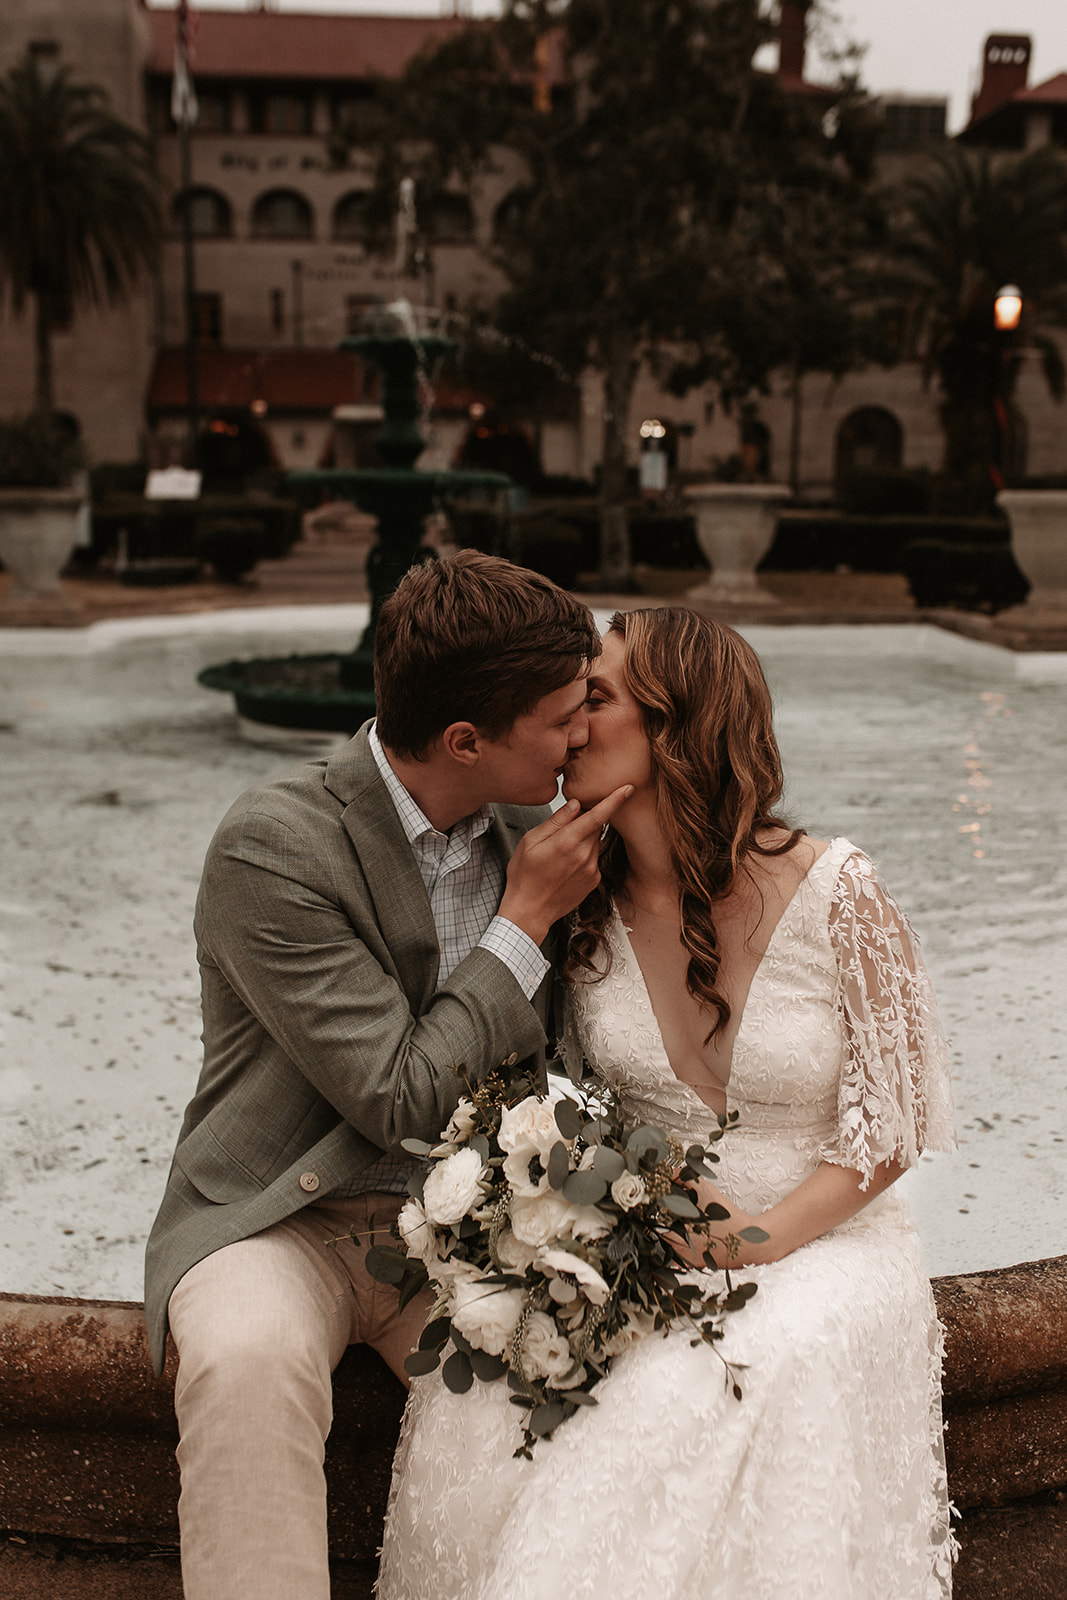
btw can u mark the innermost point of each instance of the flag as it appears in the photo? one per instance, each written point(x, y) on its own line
point(183, 106)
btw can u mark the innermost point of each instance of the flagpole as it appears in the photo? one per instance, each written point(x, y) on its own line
point(185, 111)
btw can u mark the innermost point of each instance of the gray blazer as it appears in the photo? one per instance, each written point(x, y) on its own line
point(326, 1038)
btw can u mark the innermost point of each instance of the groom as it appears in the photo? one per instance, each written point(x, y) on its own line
point(365, 924)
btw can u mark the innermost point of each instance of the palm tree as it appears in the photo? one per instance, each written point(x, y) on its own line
point(79, 213)
point(970, 223)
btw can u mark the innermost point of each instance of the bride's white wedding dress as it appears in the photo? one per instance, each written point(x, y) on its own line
point(826, 1481)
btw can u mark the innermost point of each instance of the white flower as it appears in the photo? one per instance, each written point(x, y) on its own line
point(515, 1254)
point(417, 1232)
point(638, 1325)
point(592, 1284)
point(529, 1130)
point(450, 1270)
point(460, 1123)
point(629, 1190)
point(485, 1315)
point(452, 1186)
point(546, 1353)
point(540, 1218)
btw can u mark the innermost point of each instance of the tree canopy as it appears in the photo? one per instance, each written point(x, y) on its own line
point(667, 184)
point(79, 213)
point(971, 222)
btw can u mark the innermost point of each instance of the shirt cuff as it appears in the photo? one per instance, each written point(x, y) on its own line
point(518, 952)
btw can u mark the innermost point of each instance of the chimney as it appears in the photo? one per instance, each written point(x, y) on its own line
point(1005, 71)
point(792, 39)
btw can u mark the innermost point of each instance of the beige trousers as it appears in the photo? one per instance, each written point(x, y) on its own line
point(259, 1327)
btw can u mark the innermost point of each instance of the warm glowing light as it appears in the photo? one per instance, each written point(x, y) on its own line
point(258, 408)
point(1008, 307)
point(652, 428)
point(476, 410)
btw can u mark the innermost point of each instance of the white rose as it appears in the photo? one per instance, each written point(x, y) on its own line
point(485, 1315)
point(452, 1186)
point(629, 1190)
point(588, 1278)
point(447, 1271)
point(638, 1325)
point(417, 1232)
point(460, 1123)
point(539, 1219)
point(515, 1254)
point(546, 1353)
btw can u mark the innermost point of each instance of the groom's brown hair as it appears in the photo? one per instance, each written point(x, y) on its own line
point(473, 638)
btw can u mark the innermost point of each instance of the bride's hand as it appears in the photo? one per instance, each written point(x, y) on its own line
point(722, 1241)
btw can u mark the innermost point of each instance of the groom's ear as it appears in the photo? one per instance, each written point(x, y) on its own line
point(462, 742)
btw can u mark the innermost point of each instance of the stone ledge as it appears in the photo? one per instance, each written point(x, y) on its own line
point(87, 1433)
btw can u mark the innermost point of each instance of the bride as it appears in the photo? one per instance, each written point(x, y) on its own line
point(724, 963)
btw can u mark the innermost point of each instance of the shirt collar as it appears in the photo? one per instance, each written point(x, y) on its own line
point(413, 819)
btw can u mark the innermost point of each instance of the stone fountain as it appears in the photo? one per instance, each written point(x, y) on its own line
point(335, 693)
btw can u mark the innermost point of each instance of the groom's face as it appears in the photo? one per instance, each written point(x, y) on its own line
point(524, 766)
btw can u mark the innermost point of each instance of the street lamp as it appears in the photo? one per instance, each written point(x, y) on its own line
point(1008, 307)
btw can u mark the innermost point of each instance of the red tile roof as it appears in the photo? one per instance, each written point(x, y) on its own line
point(1053, 92)
point(276, 44)
point(288, 380)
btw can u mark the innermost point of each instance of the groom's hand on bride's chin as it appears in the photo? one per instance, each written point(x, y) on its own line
point(556, 865)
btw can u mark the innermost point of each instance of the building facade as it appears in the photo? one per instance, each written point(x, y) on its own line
point(288, 255)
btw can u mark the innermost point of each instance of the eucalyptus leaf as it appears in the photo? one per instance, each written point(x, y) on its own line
point(559, 1165)
point(568, 1118)
point(680, 1205)
point(487, 1368)
point(415, 1147)
point(420, 1362)
point(609, 1163)
point(479, 1142)
point(716, 1213)
point(415, 1281)
point(461, 1343)
point(435, 1333)
point(645, 1140)
point(547, 1417)
point(584, 1189)
point(458, 1372)
point(578, 1397)
point(385, 1264)
point(753, 1235)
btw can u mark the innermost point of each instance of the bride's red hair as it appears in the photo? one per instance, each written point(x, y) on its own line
point(706, 709)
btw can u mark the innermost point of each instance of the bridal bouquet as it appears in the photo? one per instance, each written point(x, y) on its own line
point(553, 1234)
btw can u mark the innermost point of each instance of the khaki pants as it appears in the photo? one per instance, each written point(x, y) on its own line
point(259, 1328)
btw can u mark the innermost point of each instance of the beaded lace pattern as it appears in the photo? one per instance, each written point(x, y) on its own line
point(828, 1478)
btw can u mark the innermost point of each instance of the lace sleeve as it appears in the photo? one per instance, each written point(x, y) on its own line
point(895, 1095)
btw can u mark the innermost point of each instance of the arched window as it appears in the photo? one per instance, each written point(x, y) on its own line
point(281, 214)
point(209, 213)
point(870, 439)
point(351, 216)
point(509, 214)
point(446, 219)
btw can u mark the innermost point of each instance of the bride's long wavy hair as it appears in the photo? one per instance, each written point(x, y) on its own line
point(706, 710)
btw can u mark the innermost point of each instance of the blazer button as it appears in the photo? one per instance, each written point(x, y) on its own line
point(309, 1181)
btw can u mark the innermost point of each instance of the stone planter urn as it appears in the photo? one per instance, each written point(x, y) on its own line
point(1038, 520)
point(735, 525)
point(38, 531)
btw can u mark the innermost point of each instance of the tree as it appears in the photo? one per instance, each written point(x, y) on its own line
point(649, 166)
point(970, 223)
point(79, 213)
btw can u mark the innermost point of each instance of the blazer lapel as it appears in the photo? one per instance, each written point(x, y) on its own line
point(399, 902)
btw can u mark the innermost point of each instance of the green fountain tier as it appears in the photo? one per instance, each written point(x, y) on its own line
point(335, 693)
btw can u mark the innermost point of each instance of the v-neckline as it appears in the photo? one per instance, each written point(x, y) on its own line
point(631, 957)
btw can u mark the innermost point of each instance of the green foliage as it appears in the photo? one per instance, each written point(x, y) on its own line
point(78, 198)
point(38, 453)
